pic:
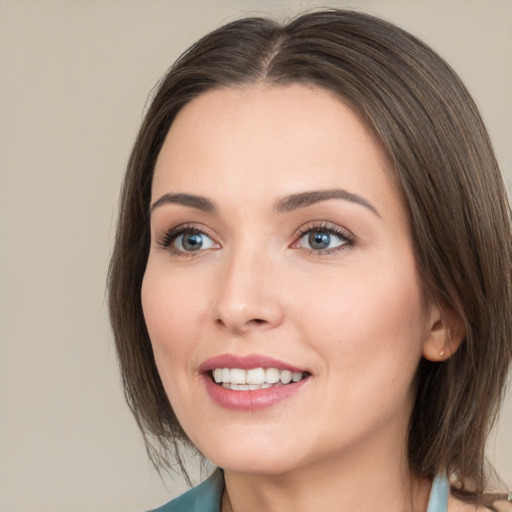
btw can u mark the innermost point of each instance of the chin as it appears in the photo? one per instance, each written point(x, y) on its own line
point(251, 455)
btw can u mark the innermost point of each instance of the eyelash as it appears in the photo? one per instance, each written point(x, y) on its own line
point(325, 227)
point(348, 239)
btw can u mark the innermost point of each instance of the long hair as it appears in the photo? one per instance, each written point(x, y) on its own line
point(444, 166)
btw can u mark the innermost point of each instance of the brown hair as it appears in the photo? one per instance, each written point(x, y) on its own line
point(460, 218)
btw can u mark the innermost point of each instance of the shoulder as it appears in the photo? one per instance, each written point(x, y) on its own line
point(205, 497)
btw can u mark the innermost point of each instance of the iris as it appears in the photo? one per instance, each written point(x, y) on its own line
point(319, 239)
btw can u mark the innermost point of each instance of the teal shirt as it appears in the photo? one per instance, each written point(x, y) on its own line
point(207, 496)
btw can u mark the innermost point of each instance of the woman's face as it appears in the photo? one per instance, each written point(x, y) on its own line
point(281, 250)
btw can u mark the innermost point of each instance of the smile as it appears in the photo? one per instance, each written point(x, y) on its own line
point(238, 379)
point(252, 382)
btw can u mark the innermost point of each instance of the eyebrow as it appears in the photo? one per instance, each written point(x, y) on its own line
point(198, 202)
point(305, 199)
point(286, 204)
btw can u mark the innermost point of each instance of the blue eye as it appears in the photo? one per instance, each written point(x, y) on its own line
point(324, 239)
point(191, 241)
point(319, 240)
point(185, 239)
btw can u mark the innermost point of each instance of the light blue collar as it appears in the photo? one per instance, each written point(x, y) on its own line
point(438, 501)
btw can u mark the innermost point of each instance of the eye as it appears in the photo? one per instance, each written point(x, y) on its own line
point(193, 241)
point(325, 238)
point(185, 239)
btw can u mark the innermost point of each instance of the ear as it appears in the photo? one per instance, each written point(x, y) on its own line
point(447, 331)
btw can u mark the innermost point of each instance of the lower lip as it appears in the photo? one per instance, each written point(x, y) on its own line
point(250, 400)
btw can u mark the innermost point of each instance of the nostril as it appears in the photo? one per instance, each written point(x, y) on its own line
point(254, 322)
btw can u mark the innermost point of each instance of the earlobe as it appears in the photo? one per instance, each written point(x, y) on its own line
point(446, 334)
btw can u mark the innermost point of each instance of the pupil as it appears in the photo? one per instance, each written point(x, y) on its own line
point(319, 240)
point(192, 242)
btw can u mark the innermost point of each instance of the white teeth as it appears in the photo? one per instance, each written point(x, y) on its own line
point(285, 377)
point(255, 378)
point(272, 375)
point(296, 376)
point(237, 376)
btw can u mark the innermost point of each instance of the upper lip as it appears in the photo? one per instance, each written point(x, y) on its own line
point(246, 362)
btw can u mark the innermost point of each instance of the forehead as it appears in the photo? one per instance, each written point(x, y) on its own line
point(276, 140)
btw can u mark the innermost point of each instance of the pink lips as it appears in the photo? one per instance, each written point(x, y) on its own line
point(248, 400)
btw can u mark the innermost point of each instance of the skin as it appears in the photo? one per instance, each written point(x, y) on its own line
point(354, 317)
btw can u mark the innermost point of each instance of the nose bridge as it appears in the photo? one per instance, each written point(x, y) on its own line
point(247, 298)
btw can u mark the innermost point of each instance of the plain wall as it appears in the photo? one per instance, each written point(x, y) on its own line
point(73, 84)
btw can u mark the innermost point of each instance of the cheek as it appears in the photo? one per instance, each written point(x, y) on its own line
point(371, 346)
point(369, 322)
point(171, 313)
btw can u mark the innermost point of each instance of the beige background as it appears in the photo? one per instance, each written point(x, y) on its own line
point(74, 80)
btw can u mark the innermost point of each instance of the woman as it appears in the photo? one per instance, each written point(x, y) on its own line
point(311, 282)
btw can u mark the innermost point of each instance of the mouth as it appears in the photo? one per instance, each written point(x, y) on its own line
point(251, 382)
point(252, 379)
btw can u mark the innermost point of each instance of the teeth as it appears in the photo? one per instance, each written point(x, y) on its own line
point(296, 376)
point(237, 376)
point(255, 378)
point(285, 377)
point(272, 375)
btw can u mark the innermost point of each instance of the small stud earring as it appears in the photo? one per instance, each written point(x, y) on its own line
point(441, 354)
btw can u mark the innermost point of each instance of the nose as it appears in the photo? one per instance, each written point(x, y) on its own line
point(248, 295)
